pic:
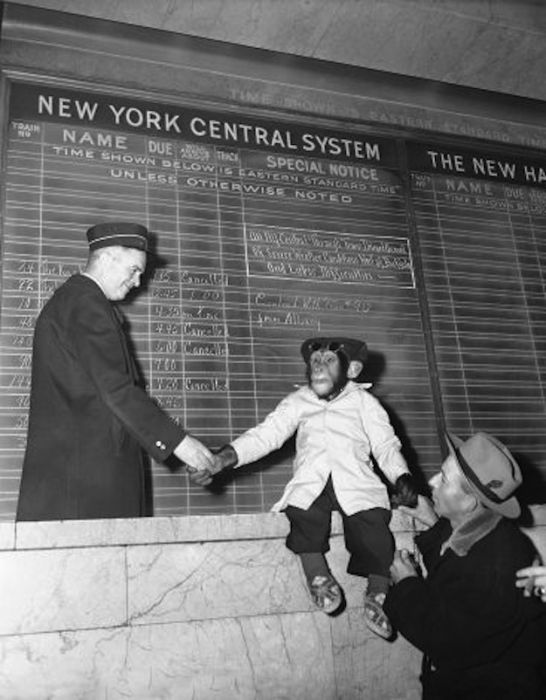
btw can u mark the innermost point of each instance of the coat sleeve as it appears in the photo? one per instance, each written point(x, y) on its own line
point(384, 444)
point(96, 339)
point(270, 434)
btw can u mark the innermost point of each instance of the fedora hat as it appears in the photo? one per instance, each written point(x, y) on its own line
point(490, 470)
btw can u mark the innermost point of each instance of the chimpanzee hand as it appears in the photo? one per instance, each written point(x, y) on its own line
point(405, 491)
point(224, 458)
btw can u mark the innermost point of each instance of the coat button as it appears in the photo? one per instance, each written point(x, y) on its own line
point(160, 444)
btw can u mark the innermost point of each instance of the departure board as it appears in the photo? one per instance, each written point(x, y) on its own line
point(481, 225)
point(269, 231)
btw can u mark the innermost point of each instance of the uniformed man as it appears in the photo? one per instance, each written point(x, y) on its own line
point(89, 419)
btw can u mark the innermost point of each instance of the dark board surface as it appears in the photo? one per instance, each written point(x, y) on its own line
point(483, 246)
point(268, 232)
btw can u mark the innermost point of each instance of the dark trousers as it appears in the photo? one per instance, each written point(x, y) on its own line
point(367, 536)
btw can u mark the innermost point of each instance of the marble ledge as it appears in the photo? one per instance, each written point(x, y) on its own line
point(158, 530)
point(179, 529)
point(62, 589)
point(7, 536)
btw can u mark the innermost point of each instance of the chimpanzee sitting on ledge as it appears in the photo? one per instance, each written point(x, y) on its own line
point(339, 426)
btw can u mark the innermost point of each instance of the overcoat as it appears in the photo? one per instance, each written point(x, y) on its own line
point(89, 419)
point(482, 638)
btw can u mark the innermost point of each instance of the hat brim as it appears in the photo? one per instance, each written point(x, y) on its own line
point(509, 508)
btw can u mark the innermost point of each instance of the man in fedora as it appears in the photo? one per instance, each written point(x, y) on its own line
point(89, 419)
point(481, 639)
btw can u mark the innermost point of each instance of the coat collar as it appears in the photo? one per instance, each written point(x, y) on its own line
point(118, 315)
point(95, 280)
point(347, 389)
point(465, 536)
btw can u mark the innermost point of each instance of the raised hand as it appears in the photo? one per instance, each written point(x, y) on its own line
point(405, 491)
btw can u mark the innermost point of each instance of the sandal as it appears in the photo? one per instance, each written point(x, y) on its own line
point(326, 594)
point(375, 616)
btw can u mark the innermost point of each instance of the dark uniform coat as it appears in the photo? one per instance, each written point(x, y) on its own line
point(483, 639)
point(89, 419)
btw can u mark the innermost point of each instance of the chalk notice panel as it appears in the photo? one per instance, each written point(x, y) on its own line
point(270, 231)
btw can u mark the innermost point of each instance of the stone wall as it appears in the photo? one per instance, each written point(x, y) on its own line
point(199, 607)
point(175, 608)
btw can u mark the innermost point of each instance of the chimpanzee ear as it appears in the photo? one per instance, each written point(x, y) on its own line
point(354, 369)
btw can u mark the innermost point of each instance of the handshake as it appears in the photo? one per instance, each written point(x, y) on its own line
point(224, 458)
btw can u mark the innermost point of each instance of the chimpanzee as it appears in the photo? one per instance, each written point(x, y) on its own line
point(339, 425)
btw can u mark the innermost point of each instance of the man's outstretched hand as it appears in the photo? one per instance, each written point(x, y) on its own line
point(194, 454)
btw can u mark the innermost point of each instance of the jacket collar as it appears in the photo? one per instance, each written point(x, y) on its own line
point(465, 536)
point(347, 389)
point(118, 315)
point(95, 280)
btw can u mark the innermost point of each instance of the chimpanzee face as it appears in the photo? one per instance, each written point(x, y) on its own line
point(327, 373)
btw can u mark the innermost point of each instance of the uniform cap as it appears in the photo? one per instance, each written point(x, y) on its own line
point(120, 233)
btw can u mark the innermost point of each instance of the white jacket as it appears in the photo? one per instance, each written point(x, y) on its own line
point(334, 437)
